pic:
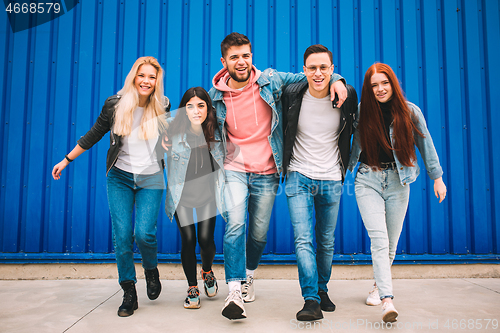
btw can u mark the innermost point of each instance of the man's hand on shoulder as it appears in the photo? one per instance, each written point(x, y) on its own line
point(339, 88)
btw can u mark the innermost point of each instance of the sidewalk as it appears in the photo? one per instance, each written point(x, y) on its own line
point(74, 306)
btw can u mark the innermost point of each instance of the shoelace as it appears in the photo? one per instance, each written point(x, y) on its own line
point(388, 306)
point(234, 295)
point(373, 291)
point(128, 296)
point(246, 285)
point(193, 292)
point(151, 279)
point(209, 279)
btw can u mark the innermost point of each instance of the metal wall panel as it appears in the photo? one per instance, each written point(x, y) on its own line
point(56, 76)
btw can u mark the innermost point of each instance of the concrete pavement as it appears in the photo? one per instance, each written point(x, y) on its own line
point(74, 306)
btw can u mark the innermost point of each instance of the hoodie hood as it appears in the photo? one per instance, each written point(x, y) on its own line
point(220, 80)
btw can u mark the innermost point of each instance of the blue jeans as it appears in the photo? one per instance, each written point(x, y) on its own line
point(124, 191)
point(305, 195)
point(253, 193)
point(382, 202)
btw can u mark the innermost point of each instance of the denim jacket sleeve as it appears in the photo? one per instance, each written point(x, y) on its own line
point(101, 126)
point(425, 145)
point(289, 78)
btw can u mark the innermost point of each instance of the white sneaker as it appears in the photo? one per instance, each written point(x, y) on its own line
point(234, 309)
point(248, 290)
point(373, 297)
point(389, 313)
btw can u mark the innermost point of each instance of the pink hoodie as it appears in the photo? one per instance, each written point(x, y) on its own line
point(248, 124)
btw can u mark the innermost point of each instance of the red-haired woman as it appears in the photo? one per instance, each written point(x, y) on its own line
point(388, 128)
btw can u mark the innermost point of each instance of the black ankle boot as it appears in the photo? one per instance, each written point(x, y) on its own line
point(326, 304)
point(153, 283)
point(311, 311)
point(129, 299)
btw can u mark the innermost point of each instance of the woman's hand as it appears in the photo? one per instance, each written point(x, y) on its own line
point(56, 172)
point(439, 189)
point(164, 142)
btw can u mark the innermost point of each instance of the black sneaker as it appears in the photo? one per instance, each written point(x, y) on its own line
point(326, 304)
point(310, 311)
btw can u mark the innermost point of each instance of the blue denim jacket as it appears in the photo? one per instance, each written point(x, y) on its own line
point(271, 85)
point(177, 163)
point(407, 175)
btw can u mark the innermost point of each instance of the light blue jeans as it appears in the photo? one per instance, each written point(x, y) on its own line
point(304, 195)
point(124, 191)
point(253, 193)
point(382, 202)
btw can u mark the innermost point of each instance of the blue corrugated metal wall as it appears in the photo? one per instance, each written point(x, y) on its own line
point(55, 78)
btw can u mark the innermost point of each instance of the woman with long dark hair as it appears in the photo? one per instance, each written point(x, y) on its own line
point(192, 164)
point(388, 128)
point(135, 118)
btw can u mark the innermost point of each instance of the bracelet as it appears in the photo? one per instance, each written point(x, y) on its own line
point(69, 159)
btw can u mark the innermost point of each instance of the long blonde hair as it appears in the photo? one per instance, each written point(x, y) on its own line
point(154, 111)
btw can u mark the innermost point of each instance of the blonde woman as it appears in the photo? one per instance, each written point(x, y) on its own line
point(134, 167)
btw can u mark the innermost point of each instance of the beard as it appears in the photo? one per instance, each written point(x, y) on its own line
point(234, 75)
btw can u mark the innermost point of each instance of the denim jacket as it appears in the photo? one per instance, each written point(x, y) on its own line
point(271, 84)
point(177, 163)
point(407, 175)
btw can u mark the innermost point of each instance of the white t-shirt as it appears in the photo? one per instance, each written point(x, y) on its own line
point(136, 155)
point(316, 152)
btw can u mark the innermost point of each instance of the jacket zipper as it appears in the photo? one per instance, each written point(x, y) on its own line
point(112, 164)
point(113, 143)
point(341, 163)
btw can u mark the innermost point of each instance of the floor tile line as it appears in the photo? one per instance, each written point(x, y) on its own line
point(482, 286)
point(76, 322)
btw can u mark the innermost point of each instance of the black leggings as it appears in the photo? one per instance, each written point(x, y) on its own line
point(206, 226)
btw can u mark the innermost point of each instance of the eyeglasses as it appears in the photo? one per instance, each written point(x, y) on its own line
point(323, 69)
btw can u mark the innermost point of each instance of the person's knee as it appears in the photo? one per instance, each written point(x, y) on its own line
point(325, 245)
point(206, 242)
point(145, 238)
point(380, 247)
point(188, 238)
point(259, 235)
point(304, 244)
point(123, 247)
point(235, 227)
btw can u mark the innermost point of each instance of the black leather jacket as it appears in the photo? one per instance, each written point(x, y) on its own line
point(292, 101)
point(104, 123)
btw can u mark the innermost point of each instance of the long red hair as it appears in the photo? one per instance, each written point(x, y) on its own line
point(371, 122)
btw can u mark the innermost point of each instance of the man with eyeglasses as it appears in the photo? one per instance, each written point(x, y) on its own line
point(316, 153)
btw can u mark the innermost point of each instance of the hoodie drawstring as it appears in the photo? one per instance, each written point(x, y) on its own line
point(254, 106)
point(234, 114)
